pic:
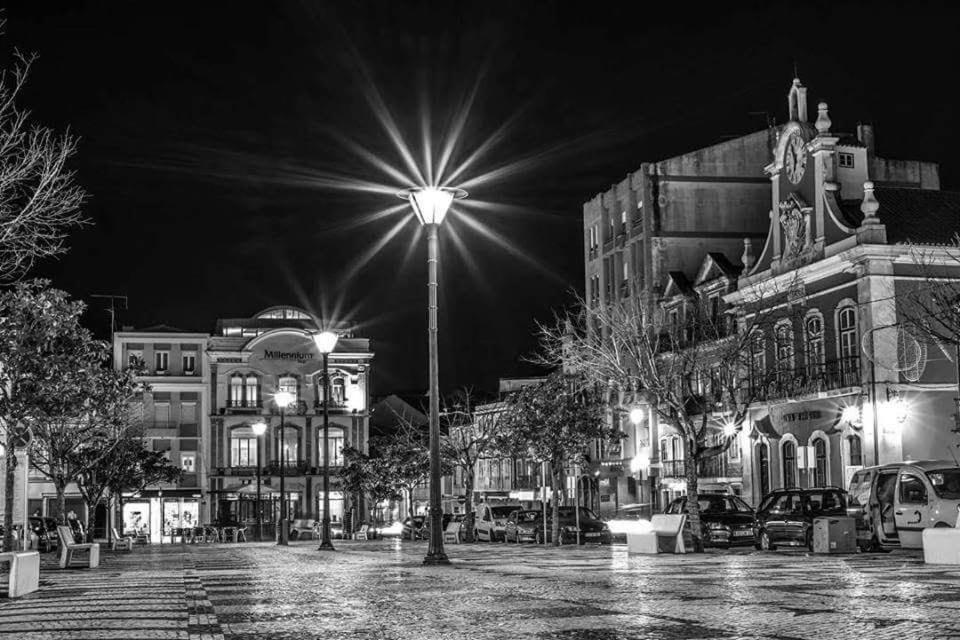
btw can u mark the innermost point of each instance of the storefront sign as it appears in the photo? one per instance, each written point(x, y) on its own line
point(299, 356)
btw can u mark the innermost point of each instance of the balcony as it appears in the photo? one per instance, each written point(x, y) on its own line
point(525, 482)
point(238, 470)
point(243, 406)
point(673, 469)
point(720, 467)
point(290, 468)
point(802, 381)
point(335, 404)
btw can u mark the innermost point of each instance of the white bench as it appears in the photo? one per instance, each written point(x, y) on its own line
point(666, 535)
point(452, 533)
point(68, 546)
point(941, 545)
point(124, 543)
point(362, 534)
point(24, 572)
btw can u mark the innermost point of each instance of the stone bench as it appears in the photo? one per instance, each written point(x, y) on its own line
point(68, 547)
point(941, 545)
point(666, 535)
point(24, 572)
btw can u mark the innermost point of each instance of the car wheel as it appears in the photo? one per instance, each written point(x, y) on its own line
point(809, 541)
point(765, 543)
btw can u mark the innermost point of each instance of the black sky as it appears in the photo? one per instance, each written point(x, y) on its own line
point(187, 111)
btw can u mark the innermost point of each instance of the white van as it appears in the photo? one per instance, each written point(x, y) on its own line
point(894, 503)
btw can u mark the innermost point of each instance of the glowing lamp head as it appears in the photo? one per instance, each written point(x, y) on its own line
point(636, 415)
point(259, 428)
point(326, 341)
point(284, 399)
point(640, 463)
point(729, 429)
point(432, 203)
point(851, 414)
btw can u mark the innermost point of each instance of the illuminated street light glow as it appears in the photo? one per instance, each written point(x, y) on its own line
point(326, 341)
point(284, 399)
point(851, 414)
point(431, 203)
point(729, 429)
point(259, 428)
point(637, 415)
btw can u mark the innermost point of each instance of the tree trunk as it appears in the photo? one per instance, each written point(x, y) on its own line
point(555, 500)
point(9, 480)
point(413, 532)
point(468, 518)
point(693, 503)
point(61, 487)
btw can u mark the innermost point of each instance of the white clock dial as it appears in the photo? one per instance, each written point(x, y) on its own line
point(795, 158)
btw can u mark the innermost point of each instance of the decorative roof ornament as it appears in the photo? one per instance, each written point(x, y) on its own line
point(747, 258)
point(870, 205)
point(823, 120)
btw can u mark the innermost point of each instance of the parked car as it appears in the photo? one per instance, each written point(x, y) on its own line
point(592, 528)
point(524, 525)
point(415, 528)
point(46, 532)
point(785, 516)
point(894, 503)
point(725, 520)
point(490, 521)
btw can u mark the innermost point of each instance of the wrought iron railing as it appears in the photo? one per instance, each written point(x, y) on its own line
point(673, 468)
point(785, 383)
point(720, 467)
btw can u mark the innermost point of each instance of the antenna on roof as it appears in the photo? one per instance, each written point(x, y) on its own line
point(112, 310)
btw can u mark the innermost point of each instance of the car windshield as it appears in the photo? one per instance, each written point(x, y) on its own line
point(569, 513)
point(502, 512)
point(946, 482)
point(528, 516)
point(723, 504)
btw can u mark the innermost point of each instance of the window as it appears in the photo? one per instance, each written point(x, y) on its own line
point(335, 446)
point(856, 451)
point(623, 221)
point(784, 342)
point(288, 384)
point(291, 445)
point(593, 241)
point(813, 333)
point(161, 414)
point(338, 391)
point(820, 460)
point(763, 468)
point(626, 270)
point(847, 334)
point(189, 363)
point(243, 447)
point(188, 462)
point(912, 490)
point(674, 322)
point(714, 314)
point(758, 359)
point(134, 358)
point(846, 160)
point(236, 391)
point(789, 465)
point(252, 386)
point(161, 361)
point(188, 413)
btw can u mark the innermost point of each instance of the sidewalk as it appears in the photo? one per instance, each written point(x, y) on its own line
point(380, 589)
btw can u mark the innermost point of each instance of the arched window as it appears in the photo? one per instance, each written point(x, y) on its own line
point(235, 398)
point(763, 468)
point(758, 359)
point(856, 451)
point(290, 448)
point(789, 464)
point(848, 349)
point(243, 447)
point(783, 335)
point(820, 457)
point(252, 385)
point(335, 446)
point(813, 336)
point(338, 391)
point(288, 384)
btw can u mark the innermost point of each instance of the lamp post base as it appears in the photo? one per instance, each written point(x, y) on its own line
point(282, 537)
point(436, 558)
point(326, 545)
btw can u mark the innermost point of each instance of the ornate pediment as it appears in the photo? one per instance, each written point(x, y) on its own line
point(795, 224)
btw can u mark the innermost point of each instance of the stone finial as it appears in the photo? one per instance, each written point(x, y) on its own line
point(870, 204)
point(823, 119)
point(747, 257)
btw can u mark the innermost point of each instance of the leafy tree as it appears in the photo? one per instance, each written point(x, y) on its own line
point(472, 434)
point(128, 465)
point(554, 422)
point(39, 198)
point(42, 345)
point(403, 459)
point(363, 475)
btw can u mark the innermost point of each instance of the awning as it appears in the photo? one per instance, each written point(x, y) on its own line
point(162, 493)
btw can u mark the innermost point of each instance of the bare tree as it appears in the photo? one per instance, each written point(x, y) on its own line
point(698, 369)
point(39, 198)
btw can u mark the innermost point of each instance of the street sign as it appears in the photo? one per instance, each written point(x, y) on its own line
point(462, 499)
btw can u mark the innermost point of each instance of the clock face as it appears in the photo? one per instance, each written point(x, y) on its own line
point(795, 158)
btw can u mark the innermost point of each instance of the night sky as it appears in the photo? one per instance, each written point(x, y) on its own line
point(203, 128)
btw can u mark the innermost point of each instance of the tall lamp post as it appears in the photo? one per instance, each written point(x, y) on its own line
point(259, 428)
point(283, 400)
point(431, 205)
point(326, 341)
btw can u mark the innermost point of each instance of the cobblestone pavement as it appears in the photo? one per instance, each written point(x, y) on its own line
point(380, 590)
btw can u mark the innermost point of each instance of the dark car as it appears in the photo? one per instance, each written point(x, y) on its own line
point(46, 532)
point(785, 516)
point(415, 528)
point(592, 528)
point(725, 520)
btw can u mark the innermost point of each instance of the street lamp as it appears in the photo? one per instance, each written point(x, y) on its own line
point(326, 341)
point(431, 205)
point(259, 428)
point(283, 400)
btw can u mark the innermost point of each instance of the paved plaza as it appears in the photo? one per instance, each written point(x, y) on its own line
point(380, 590)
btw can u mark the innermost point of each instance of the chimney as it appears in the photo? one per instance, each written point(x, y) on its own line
point(865, 136)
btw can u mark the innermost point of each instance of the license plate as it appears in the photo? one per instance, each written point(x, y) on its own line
point(742, 533)
point(592, 535)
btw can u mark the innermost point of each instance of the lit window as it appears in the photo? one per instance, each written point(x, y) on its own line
point(288, 384)
point(846, 160)
point(338, 391)
point(188, 462)
point(814, 349)
point(784, 339)
point(189, 363)
point(236, 391)
point(253, 392)
point(335, 448)
point(161, 361)
point(243, 447)
point(847, 335)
